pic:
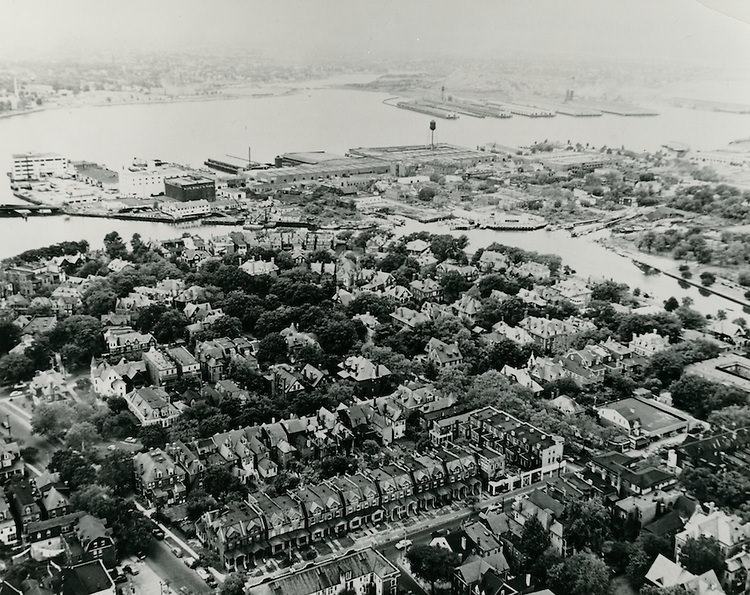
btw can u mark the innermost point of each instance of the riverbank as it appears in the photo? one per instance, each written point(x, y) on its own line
point(722, 287)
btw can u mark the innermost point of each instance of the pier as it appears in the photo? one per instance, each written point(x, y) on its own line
point(29, 210)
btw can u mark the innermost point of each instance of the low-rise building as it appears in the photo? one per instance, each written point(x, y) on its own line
point(360, 571)
point(158, 478)
point(152, 407)
point(161, 368)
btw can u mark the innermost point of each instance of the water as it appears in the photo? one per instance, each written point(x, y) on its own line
point(334, 120)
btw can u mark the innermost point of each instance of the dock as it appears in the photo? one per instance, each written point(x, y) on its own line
point(528, 111)
point(426, 109)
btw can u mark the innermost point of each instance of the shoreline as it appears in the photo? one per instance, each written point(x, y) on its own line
point(170, 101)
point(643, 258)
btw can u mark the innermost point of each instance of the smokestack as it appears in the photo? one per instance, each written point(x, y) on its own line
point(249, 156)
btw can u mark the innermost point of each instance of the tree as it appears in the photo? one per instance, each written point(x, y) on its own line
point(81, 435)
point(233, 585)
point(272, 349)
point(51, 420)
point(581, 574)
point(114, 246)
point(671, 304)
point(74, 469)
point(534, 541)
point(643, 552)
point(99, 299)
point(153, 436)
point(426, 194)
point(453, 285)
point(337, 465)
point(587, 524)
point(701, 555)
point(707, 278)
point(221, 484)
point(10, 336)
point(15, 367)
point(432, 563)
point(734, 416)
point(116, 472)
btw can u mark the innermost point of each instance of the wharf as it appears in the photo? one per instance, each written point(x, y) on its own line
point(426, 109)
point(529, 111)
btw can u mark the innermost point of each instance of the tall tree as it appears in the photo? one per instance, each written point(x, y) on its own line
point(534, 541)
point(701, 555)
point(587, 524)
point(114, 245)
point(581, 574)
point(432, 563)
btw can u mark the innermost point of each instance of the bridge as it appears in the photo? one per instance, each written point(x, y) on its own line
point(27, 210)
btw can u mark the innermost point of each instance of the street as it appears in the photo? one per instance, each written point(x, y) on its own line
point(171, 569)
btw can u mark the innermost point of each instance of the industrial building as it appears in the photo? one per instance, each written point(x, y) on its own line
point(192, 209)
point(28, 167)
point(192, 187)
point(145, 179)
point(324, 170)
point(413, 155)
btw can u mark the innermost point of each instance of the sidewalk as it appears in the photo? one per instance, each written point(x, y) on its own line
point(166, 530)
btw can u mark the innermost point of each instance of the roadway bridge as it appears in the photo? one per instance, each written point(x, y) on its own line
point(21, 210)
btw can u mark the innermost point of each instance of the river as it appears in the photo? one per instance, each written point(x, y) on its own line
point(335, 120)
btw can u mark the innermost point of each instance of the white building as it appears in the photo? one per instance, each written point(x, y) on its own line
point(185, 210)
point(35, 166)
point(648, 344)
point(146, 179)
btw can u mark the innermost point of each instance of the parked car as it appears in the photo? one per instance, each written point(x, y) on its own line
point(130, 440)
point(157, 532)
point(5, 424)
point(112, 447)
point(16, 393)
point(130, 570)
point(176, 551)
point(19, 385)
point(404, 544)
point(141, 555)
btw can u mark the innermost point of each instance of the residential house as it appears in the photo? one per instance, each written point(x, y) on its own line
point(425, 289)
point(158, 478)
point(467, 307)
point(152, 407)
point(360, 571)
point(442, 355)
point(408, 318)
point(491, 261)
point(124, 340)
point(730, 531)
point(234, 533)
point(666, 574)
point(371, 379)
point(648, 344)
point(8, 531)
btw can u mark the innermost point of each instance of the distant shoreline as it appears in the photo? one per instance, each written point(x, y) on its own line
point(178, 99)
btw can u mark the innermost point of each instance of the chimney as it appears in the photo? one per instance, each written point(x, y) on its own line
point(463, 543)
point(528, 580)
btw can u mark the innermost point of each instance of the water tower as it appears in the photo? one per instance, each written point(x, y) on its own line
point(433, 125)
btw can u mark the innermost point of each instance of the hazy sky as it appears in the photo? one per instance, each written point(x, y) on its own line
point(705, 31)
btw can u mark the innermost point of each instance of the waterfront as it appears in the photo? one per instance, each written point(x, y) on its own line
point(583, 254)
point(323, 118)
point(335, 120)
